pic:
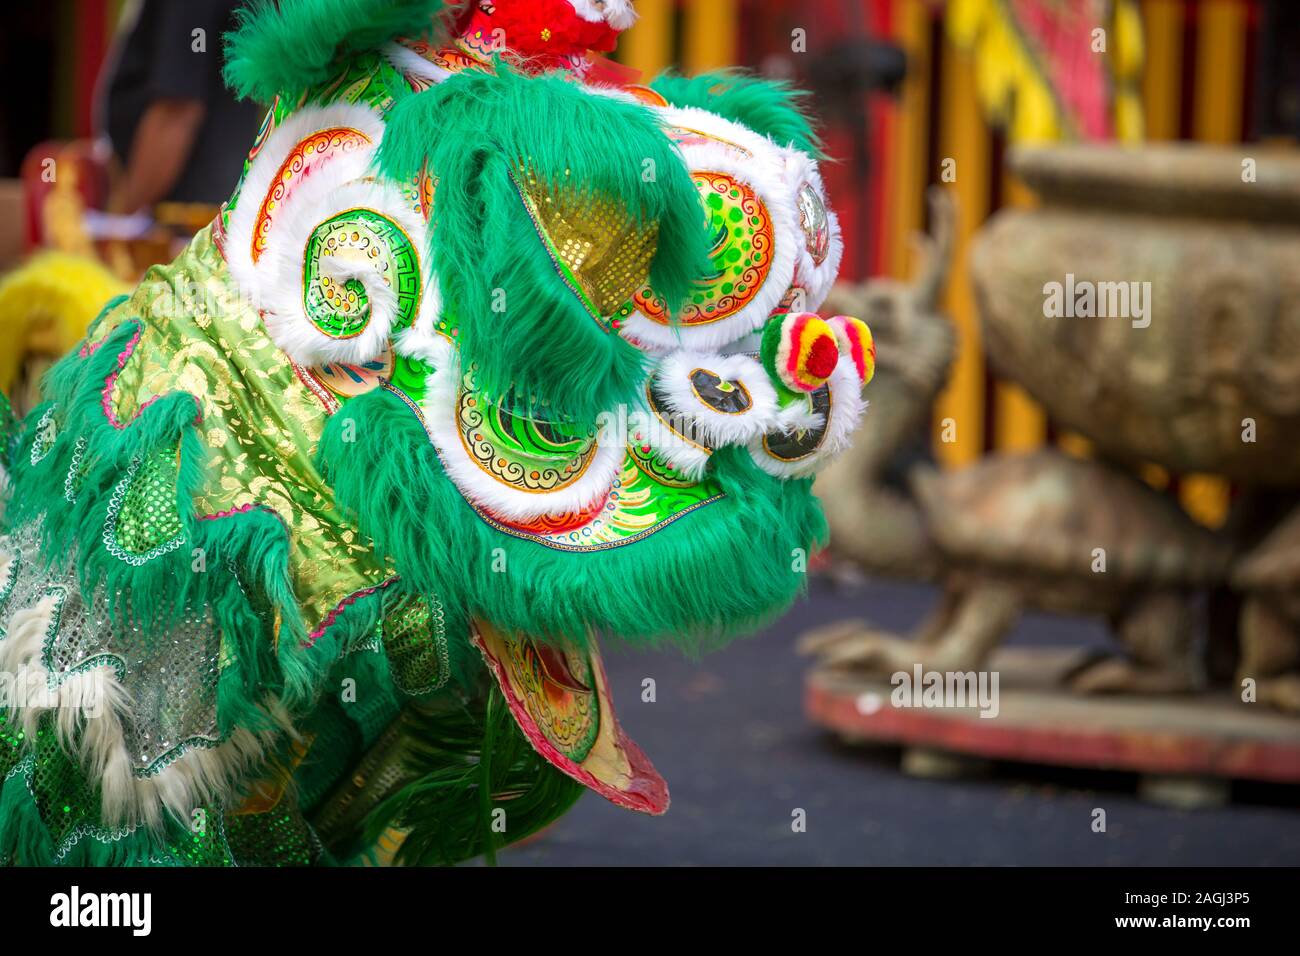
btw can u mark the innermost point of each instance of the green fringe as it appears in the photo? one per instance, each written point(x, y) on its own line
point(328, 762)
point(245, 556)
point(468, 764)
point(24, 840)
point(285, 48)
point(476, 131)
point(307, 664)
point(773, 108)
point(9, 433)
point(721, 571)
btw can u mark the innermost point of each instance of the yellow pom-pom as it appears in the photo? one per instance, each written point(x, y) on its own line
point(856, 343)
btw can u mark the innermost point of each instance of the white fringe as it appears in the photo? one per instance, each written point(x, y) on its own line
point(92, 710)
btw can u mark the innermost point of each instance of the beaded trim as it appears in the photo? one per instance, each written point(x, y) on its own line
point(10, 581)
point(60, 595)
point(557, 261)
point(439, 619)
point(343, 605)
point(70, 480)
point(110, 525)
point(46, 435)
point(176, 752)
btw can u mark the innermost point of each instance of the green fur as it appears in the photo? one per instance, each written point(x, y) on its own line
point(284, 48)
point(245, 570)
point(773, 108)
point(477, 129)
point(325, 765)
point(723, 570)
point(467, 763)
point(309, 661)
point(24, 840)
point(8, 434)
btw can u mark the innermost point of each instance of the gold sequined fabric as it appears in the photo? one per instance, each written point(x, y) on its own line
point(605, 249)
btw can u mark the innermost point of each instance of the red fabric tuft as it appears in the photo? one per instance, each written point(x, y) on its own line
point(546, 29)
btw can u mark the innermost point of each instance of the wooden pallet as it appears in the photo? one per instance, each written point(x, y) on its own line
point(1186, 748)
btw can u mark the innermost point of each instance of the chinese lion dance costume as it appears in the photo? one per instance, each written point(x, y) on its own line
point(310, 540)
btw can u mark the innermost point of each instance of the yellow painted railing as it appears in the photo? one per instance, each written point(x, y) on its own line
point(964, 156)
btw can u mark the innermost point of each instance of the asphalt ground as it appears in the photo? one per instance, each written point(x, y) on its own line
point(729, 734)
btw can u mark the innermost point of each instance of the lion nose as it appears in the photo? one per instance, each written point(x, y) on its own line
point(799, 351)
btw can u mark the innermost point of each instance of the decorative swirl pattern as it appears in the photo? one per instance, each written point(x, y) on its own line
point(524, 453)
point(742, 254)
point(656, 467)
point(555, 685)
point(363, 242)
point(799, 444)
point(309, 155)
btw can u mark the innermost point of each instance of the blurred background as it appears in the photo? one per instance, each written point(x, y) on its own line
point(899, 85)
point(993, 102)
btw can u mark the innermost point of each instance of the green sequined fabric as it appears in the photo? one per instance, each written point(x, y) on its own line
point(276, 837)
point(204, 844)
point(147, 518)
point(69, 808)
point(414, 635)
point(11, 744)
point(68, 803)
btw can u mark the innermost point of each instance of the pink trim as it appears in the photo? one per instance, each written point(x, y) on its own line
point(322, 394)
point(343, 605)
point(231, 512)
point(647, 793)
point(106, 400)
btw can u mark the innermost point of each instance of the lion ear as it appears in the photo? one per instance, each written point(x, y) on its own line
point(553, 205)
point(332, 257)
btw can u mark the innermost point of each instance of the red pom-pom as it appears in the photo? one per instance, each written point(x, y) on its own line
point(823, 356)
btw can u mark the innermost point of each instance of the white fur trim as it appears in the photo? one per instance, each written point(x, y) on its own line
point(673, 383)
point(26, 633)
point(279, 293)
point(760, 164)
point(264, 169)
point(91, 709)
point(411, 65)
point(648, 429)
point(619, 14)
point(847, 408)
point(274, 283)
point(419, 342)
point(502, 500)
